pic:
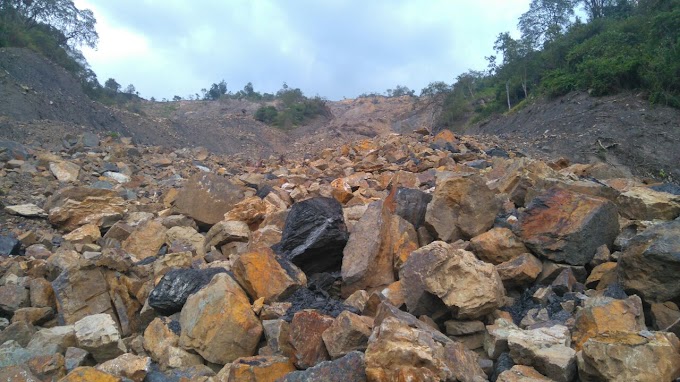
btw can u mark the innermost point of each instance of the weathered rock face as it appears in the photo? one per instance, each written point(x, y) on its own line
point(546, 349)
point(398, 352)
point(411, 204)
point(349, 332)
point(161, 341)
point(264, 275)
point(80, 293)
point(314, 235)
point(439, 274)
point(650, 266)
point(206, 197)
point(520, 373)
point(462, 207)
point(65, 171)
point(99, 335)
point(379, 240)
point(69, 208)
point(218, 322)
point(306, 330)
point(630, 356)
point(642, 203)
point(497, 245)
point(567, 227)
point(256, 369)
point(145, 240)
point(172, 292)
point(128, 366)
point(602, 315)
point(226, 232)
point(520, 271)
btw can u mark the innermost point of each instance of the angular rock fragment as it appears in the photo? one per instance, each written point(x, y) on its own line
point(520, 271)
point(69, 208)
point(306, 331)
point(256, 369)
point(206, 197)
point(281, 280)
point(351, 367)
point(99, 335)
point(497, 245)
point(349, 332)
point(546, 349)
point(602, 315)
point(169, 296)
point(81, 292)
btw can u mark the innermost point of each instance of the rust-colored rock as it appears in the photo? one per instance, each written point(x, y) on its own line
point(87, 234)
point(567, 227)
point(89, 374)
point(255, 369)
point(146, 239)
point(161, 341)
point(520, 271)
point(128, 365)
point(601, 315)
point(70, 208)
point(349, 332)
point(218, 322)
point(497, 245)
point(306, 330)
point(264, 275)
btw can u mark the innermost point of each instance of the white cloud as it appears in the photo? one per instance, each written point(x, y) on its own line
point(332, 48)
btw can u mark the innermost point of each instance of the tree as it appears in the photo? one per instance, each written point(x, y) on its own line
point(216, 91)
point(176, 98)
point(608, 8)
point(545, 20)
point(112, 85)
point(130, 89)
point(74, 27)
point(400, 91)
point(435, 88)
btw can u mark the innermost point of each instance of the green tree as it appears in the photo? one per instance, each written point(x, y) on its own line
point(216, 91)
point(112, 85)
point(130, 89)
point(545, 20)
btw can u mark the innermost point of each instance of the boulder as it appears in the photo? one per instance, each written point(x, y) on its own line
point(218, 322)
point(546, 349)
point(65, 171)
point(567, 227)
point(497, 245)
point(411, 205)
point(52, 340)
point(99, 335)
point(256, 369)
point(130, 366)
point(306, 330)
point(206, 197)
point(226, 232)
point(462, 207)
point(69, 208)
point(282, 276)
point(630, 356)
point(650, 265)
point(520, 271)
point(439, 275)
point(642, 203)
point(172, 292)
point(314, 235)
point(145, 240)
point(602, 315)
point(347, 333)
point(81, 292)
point(161, 341)
point(379, 241)
point(351, 367)
point(521, 373)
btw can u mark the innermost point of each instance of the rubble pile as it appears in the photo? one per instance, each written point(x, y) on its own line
point(398, 258)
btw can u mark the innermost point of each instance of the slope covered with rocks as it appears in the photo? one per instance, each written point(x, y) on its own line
point(400, 257)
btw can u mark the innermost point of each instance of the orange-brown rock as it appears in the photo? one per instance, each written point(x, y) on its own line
point(306, 330)
point(520, 271)
point(349, 332)
point(497, 245)
point(161, 341)
point(89, 374)
point(18, 373)
point(642, 203)
point(80, 293)
point(630, 356)
point(146, 239)
point(218, 322)
point(47, 367)
point(87, 234)
point(70, 208)
point(251, 210)
point(462, 207)
point(567, 227)
point(255, 369)
point(281, 280)
point(604, 271)
point(521, 373)
point(603, 315)
point(341, 190)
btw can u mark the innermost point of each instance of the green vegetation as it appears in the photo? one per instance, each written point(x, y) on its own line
point(295, 109)
point(624, 45)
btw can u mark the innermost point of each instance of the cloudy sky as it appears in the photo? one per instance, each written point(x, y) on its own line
point(333, 48)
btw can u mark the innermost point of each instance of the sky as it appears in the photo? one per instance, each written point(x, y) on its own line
point(332, 48)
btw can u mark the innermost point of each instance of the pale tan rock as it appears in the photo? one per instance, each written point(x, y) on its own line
point(146, 239)
point(462, 207)
point(89, 233)
point(186, 236)
point(642, 203)
point(630, 356)
point(81, 292)
point(520, 373)
point(226, 232)
point(69, 208)
point(251, 210)
point(357, 299)
point(497, 245)
point(206, 197)
point(282, 277)
point(218, 322)
point(27, 210)
point(170, 261)
point(162, 343)
point(496, 337)
point(128, 365)
point(65, 171)
point(520, 271)
point(277, 334)
point(469, 287)
point(546, 349)
point(99, 335)
point(347, 333)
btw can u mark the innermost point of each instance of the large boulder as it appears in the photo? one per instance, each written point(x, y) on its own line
point(497, 245)
point(70, 208)
point(630, 356)
point(306, 330)
point(438, 274)
point(282, 277)
point(411, 204)
point(601, 315)
point(642, 203)
point(546, 349)
point(314, 235)
point(99, 335)
point(146, 239)
point(81, 292)
point(462, 207)
point(219, 323)
point(206, 197)
point(169, 296)
point(567, 227)
point(650, 265)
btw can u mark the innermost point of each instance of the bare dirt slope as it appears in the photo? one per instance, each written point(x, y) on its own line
point(624, 130)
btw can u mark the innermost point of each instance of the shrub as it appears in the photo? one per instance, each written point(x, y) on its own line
point(267, 114)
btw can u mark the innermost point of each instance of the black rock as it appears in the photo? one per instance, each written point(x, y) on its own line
point(503, 363)
point(350, 367)
point(9, 246)
point(497, 152)
point(263, 191)
point(304, 298)
point(169, 296)
point(314, 235)
point(12, 150)
point(667, 187)
point(412, 205)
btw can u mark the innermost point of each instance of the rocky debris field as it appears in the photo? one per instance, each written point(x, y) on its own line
point(396, 258)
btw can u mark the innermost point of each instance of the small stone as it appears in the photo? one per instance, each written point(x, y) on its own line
point(520, 271)
point(349, 332)
point(65, 171)
point(99, 335)
point(27, 210)
point(459, 328)
point(128, 366)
